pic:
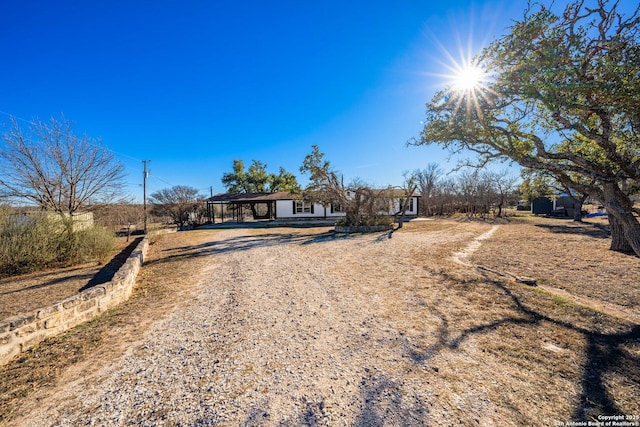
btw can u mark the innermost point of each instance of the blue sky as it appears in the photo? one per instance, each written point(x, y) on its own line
point(192, 85)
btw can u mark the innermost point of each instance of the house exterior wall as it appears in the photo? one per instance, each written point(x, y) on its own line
point(285, 210)
point(412, 210)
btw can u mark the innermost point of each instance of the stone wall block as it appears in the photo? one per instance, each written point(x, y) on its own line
point(52, 310)
point(9, 351)
point(52, 322)
point(26, 330)
point(20, 320)
point(71, 302)
point(88, 305)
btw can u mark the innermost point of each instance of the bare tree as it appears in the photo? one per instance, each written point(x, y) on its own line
point(469, 188)
point(362, 204)
point(503, 185)
point(181, 203)
point(409, 187)
point(445, 197)
point(427, 179)
point(58, 170)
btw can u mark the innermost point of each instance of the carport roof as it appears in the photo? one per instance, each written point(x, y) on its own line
point(250, 197)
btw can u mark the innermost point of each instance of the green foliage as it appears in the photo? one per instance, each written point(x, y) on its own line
point(236, 181)
point(533, 186)
point(324, 185)
point(283, 181)
point(257, 177)
point(257, 180)
point(557, 99)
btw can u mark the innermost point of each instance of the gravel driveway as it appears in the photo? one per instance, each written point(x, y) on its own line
point(282, 329)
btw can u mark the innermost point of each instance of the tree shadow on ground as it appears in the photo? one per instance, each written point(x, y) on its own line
point(597, 231)
point(245, 243)
point(50, 282)
point(384, 405)
point(604, 353)
point(109, 270)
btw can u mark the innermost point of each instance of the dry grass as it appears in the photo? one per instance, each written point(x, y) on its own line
point(578, 360)
point(478, 347)
point(566, 255)
point(20, 294)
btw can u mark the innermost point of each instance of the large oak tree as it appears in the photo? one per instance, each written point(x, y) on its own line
point(559, 93)
point(256, 179)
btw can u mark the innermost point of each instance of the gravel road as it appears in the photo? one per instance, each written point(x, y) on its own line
point(282, 329)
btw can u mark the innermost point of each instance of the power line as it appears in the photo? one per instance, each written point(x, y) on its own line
point(160, 179)
point(13, 116)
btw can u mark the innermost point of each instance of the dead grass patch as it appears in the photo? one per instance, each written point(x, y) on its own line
point(577, 360)
point(566, 255)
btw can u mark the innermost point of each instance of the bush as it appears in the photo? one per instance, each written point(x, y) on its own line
point(94, 244)
point(367, 221)
point(27, 243)
point(34, 242)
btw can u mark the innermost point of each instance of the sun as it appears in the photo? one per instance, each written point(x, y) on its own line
point(468, 85)
point(468, 78)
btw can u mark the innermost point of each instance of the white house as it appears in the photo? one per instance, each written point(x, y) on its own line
point(286, 206)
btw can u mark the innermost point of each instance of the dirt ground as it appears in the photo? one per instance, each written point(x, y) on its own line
point(20, 294)
point(304, 327)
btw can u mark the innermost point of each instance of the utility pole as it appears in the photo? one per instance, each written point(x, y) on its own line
point(145, 175)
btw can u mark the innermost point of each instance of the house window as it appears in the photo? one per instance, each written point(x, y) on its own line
point(336, 207)
point(302, 207)
point(409, 207)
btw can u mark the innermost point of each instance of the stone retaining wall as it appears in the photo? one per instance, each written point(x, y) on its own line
point(21, 332)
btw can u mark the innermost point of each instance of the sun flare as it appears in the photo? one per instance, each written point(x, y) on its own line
point(469, 78)
point(468, 86)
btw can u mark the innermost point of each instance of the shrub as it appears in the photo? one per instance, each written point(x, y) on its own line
point(94, 244)
point(27, 243)
point(35, 242)
point(367, 221)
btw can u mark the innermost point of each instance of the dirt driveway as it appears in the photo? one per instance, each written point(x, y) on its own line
point(301, 327)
